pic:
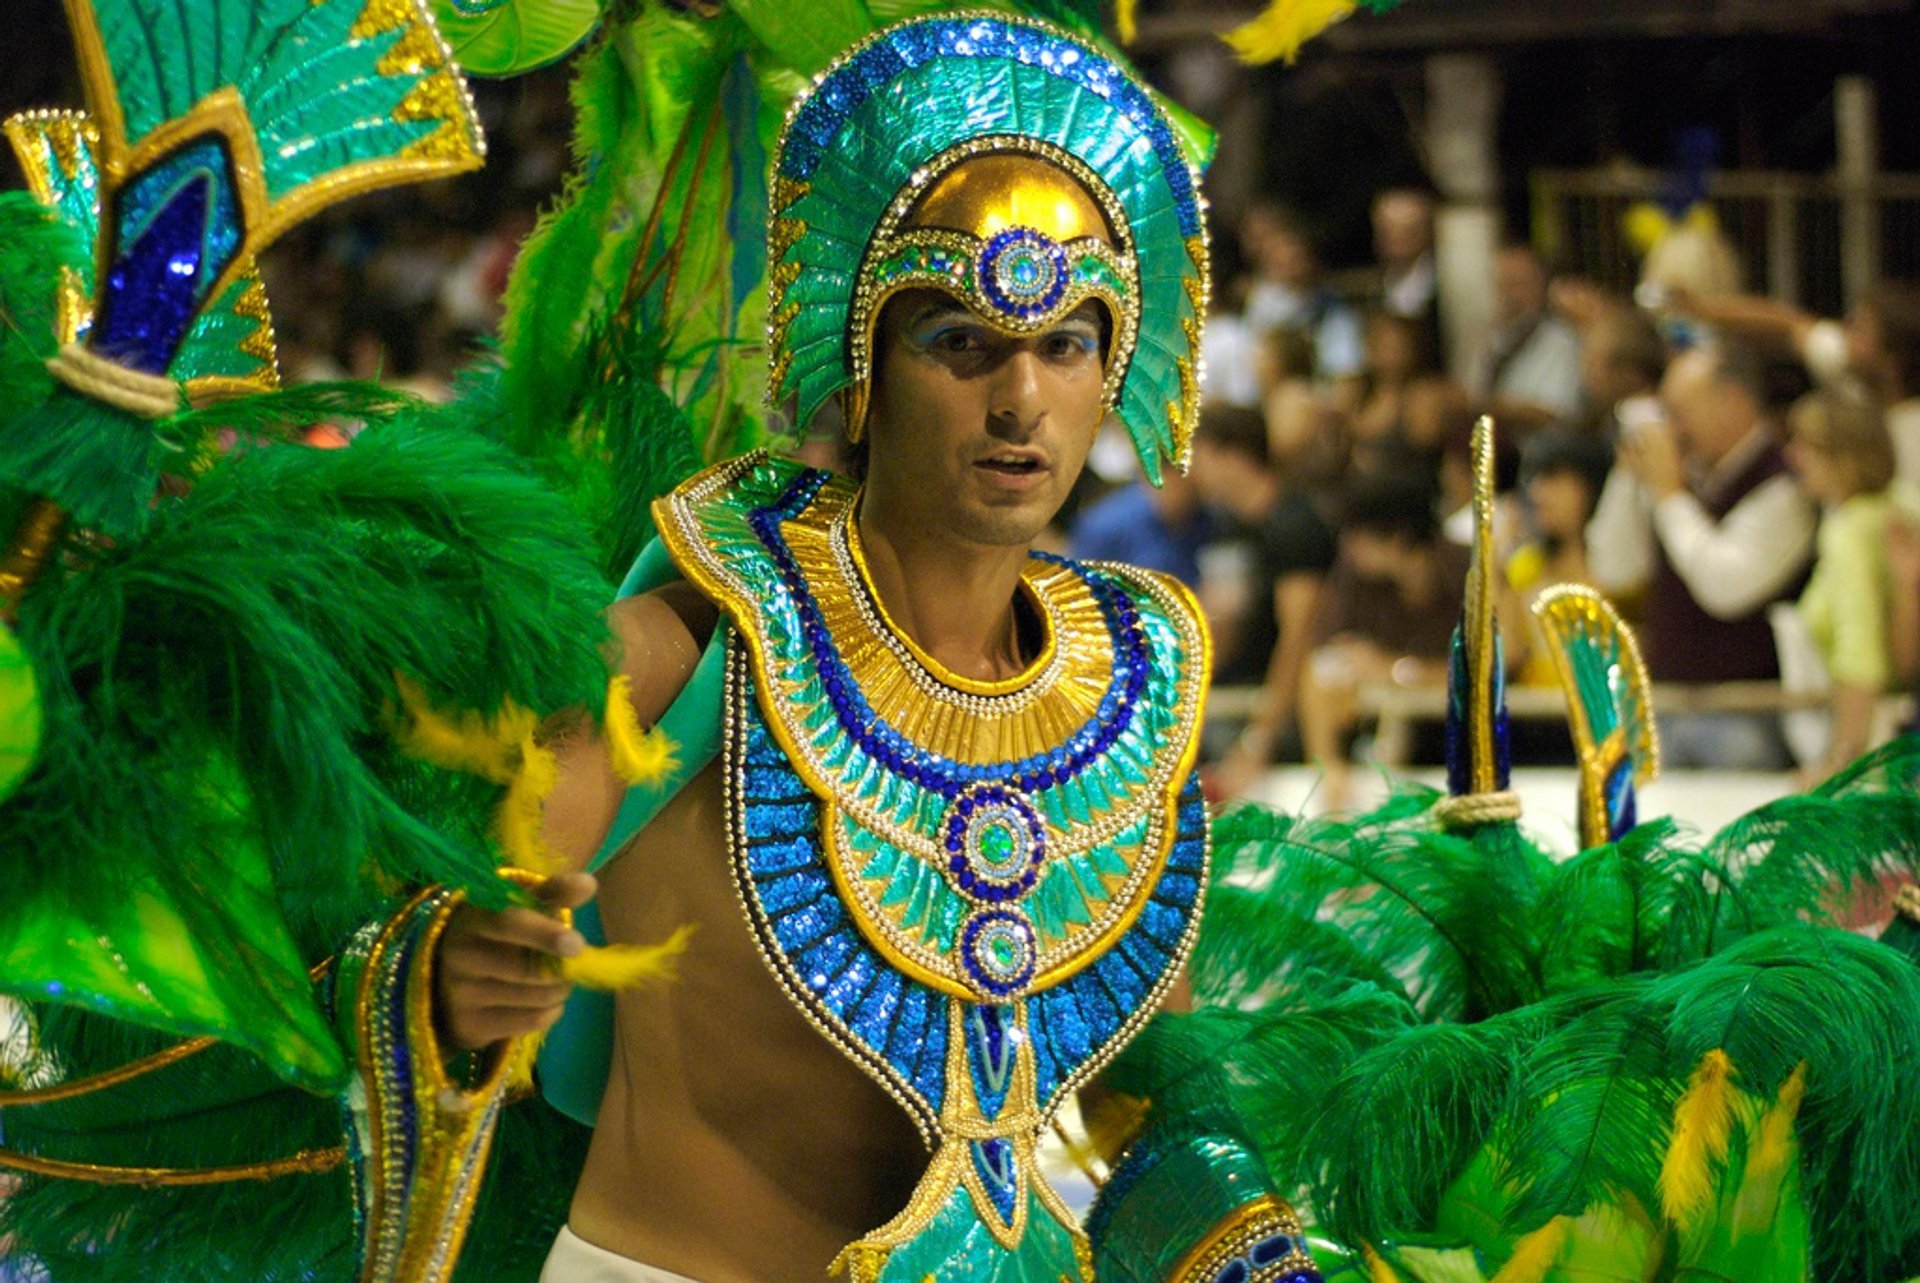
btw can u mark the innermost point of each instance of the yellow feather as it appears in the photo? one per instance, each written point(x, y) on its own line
point(622, 966)
point(1126, 14)
point(1536, 1253)
point(638, 756)
point(467, 742)
point(522, 1053)
point(1702, 1126)
point(521, 820)
point(1646, 225)
point(1773, 1147)
point(1378, 1271)
point(1284, 27)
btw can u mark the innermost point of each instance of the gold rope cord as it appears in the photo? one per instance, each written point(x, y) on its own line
point(105, 1078)
point(306, 1162)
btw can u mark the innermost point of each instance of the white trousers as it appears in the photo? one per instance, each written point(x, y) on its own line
point(574, 1260)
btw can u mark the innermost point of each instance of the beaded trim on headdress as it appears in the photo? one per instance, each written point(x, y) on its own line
point(894, 115)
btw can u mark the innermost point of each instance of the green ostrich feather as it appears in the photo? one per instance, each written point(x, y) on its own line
point(230, 756)
point(1518, 1035)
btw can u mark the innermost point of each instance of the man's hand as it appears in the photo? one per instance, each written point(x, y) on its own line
point(1651, 454)
point(498, 974)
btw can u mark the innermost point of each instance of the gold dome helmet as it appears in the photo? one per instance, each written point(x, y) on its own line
point(1011, 165)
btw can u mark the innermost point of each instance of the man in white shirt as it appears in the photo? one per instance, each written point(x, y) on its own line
point(1403, 244)
point(1529, 371)
point(1287, 293)
point(1703, 516)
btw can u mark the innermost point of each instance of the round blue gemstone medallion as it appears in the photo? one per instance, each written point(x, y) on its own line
point(998, 950)
point(1023, 272)
point(994, 842)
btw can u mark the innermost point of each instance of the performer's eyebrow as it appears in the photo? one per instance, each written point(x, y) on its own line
point(941, 309)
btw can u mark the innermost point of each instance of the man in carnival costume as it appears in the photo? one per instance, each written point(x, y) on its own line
point(954, 794)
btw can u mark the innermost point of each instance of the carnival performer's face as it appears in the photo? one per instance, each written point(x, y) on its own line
point(978, 433)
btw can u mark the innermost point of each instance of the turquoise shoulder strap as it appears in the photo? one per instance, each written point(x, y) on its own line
point(578, 1053)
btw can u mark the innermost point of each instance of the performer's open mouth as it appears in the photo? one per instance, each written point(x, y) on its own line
point(1015, 468)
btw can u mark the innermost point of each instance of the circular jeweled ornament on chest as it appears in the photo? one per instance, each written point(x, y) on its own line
point(998, 949)
point(1023, 272)
point(995, 843)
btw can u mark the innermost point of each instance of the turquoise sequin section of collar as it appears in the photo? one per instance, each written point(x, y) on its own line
point(886, 120)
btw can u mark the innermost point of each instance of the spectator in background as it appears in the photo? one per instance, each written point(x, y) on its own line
point(1839, 448)
point(1287, 293)
point(1292, 547)
point(1875, 349)
point(1529, 371)
point(1562, 473)
point(1230, 350)
point(1387, 614)
point(1162, 529)
point(1405, 402)
point(1297, 417)
point(1622, 360)
point(1403, 247)
point(1282, 534)
point(1703, 516)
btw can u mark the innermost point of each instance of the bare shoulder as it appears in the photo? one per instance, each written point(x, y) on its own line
point(660, 636)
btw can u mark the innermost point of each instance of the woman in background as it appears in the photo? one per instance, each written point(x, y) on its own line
point(1839, 448)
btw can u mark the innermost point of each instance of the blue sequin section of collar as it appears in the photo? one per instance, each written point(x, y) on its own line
point(821, 117)
point(1133, 661)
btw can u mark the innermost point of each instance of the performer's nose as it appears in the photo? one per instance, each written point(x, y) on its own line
point(1018, 403)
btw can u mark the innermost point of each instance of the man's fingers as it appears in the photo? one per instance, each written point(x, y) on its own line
point(530, 929)
point(567, 890)
point(481, 993)
point(487, 1025)
point(484, 958)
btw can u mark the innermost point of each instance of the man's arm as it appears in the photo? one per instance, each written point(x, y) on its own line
point(1739, 564)
point(497, 976)
point(1620, 535)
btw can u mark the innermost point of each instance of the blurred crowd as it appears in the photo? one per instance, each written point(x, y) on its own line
point(1742, 479)
point(1739, 477)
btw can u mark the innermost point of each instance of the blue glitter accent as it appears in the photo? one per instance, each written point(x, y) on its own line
point(993, 1163)
point(1271, 1249)
point(769, 857)
point(1302, 1276)
point(1071, 1020)
point(176, 227)
point(1235, 1271)
point(872, 1019)
point(784, 895)
point(1622, 803)
point(992, 1047)
point(850, 988)
point(823, 115)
